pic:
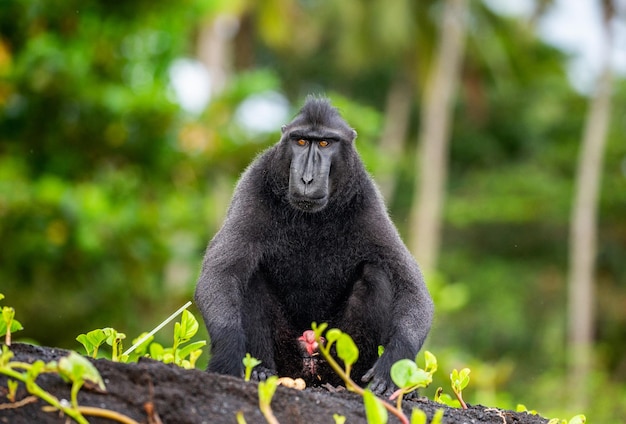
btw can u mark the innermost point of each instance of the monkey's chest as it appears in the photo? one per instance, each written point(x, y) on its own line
point(311, 279)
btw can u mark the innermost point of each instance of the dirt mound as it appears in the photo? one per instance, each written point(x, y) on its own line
point(182, 396)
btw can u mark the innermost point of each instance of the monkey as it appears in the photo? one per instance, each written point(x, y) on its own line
point(307, 238)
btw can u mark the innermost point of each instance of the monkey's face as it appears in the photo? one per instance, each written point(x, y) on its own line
point(312, 156)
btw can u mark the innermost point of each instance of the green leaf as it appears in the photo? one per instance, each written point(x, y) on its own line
point(141, 349)
point(430, 362)
point(186, 328)
point(77, 368)
point(319, 329)
point(447, 400)
point(437, 417)
point(381, 350)
point(92, 340)
point(405, 373)
point(418, 416)
point(375, 412)
point(249, 362)
point(156, 351)
point(113, 336)
point(6, 356)
point(267, 389)
point(347, 350)
point(459, 380)
point(333, 335)
point(185, 351)
point(339, 419)
point(9, 321)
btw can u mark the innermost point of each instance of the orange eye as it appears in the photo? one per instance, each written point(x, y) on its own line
point(323, 143)
point(301, 142)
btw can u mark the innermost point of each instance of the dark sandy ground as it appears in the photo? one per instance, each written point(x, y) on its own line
point(180, 396)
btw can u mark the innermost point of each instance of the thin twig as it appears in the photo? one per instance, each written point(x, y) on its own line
point(19, 404)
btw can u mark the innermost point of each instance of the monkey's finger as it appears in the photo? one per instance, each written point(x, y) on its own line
point(368, 375)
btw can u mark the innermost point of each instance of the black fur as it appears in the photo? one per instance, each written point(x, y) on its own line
point(283, 260)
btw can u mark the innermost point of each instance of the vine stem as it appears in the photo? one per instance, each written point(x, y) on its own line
point(34, 389)
point(351, 385)
point(460, 399)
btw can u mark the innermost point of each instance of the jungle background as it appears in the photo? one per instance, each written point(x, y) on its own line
point(125, 125)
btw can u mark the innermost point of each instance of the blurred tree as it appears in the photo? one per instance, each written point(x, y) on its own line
point(437, 110)
point(584, 224)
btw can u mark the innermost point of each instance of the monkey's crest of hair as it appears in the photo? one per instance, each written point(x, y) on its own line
point(318, 112)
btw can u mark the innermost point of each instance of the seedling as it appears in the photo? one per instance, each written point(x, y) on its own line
point(446, 399)
point(419, 417)
point(143, 345)
point(249, 363)
point(240, 418)
point(375, 411)
point(408, 376)
point(78, 370)
point(92, 341)
point(72, 368)
point(339, 419)
point(578, 419)
point(267, 389)
point(459, 381)
point(348, 352)
point(187, 356)
point(12, 386)
point(9, 324)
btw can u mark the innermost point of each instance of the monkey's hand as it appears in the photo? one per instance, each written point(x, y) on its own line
point(380, 384)
point(260, 373)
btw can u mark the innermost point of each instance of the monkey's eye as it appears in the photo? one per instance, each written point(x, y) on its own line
point(323, 143)
point(301, 142)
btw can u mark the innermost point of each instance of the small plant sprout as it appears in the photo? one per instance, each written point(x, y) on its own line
point(74, 368)
point(8, 324)
point(267, 389)
point(240, 418)
point(409, 377)
point(348, 352)
point(578, 419)
point(419, 417)
point(92, 341)
point(249, 363)
point(142, 339)
point(78, 370)
point(375, 411)
point(12, 388)
point(459, 381)
point(183, 356)
point(445, 399)
point(339, 419)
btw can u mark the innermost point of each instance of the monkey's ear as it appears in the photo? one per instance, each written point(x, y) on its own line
point(283, 128)
point(354, 134)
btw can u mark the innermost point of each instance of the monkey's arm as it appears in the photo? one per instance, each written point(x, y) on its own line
point(411, 313)
point(229, 261)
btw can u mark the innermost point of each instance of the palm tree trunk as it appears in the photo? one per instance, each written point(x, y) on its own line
point(397, 114)
point(437, 110)
point(583, 235)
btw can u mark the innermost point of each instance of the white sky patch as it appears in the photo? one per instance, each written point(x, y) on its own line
point(576, 27)
point(511, 7)
point(262, 113)
point(191, 83)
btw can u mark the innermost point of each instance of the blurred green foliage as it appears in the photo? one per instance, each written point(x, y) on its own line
point(109, 191)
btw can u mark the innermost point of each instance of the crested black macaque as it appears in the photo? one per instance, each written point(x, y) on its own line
point(307, 238)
